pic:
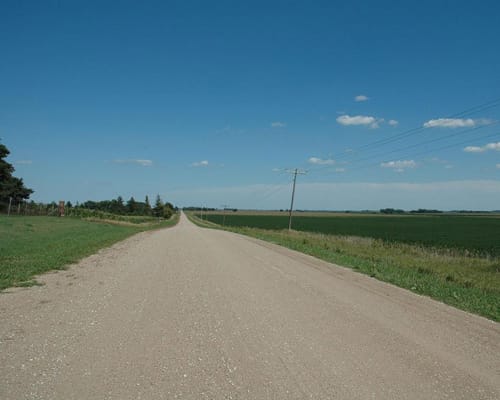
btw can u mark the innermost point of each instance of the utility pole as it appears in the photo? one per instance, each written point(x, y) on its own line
point(224, 206)
point(295, 173)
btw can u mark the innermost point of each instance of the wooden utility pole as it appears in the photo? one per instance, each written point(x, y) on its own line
point(295, 173)
point(224, 206)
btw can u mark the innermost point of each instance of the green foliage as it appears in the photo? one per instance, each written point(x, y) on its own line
point(158, 208)
point(96, 214)
point(10, 186)
point(132, 207)
point(168, 210)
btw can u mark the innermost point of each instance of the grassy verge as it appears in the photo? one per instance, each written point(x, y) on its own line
point(471, 283)
point(32, 245)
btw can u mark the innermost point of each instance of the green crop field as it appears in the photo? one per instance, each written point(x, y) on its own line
point(479, 234)
point(33, 245)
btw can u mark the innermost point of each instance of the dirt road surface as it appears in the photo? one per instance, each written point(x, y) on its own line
point(191, 313)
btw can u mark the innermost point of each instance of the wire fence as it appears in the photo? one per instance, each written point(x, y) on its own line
point(28, 208)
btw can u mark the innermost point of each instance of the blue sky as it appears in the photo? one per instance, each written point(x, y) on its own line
point(212, 102)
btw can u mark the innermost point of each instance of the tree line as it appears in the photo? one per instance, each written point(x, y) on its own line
point(118, 206)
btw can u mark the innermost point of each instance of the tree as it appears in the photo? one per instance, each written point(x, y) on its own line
point(168, 210)
point(117, 206)
point(147, 207)
point(158, 208)
point(131, 206)
point(10, 186)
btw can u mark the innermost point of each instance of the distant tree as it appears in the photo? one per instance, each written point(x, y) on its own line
point(10, 186)
point(168, 210)
point(132, 206)
point(117, 206)
point(158, 208)
point(147, 206)
point(391, 211)
point(68, 204)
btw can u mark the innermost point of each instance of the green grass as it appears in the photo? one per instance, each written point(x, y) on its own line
point(470, 233)
point(466, 281)
point(33, 245)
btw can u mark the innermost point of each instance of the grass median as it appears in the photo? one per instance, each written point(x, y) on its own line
point(30, 246)
point(453, 276)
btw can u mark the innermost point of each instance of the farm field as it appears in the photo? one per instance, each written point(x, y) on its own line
point(33, 245)
point(478, 234)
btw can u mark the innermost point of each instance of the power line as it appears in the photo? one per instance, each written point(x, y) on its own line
point(400, 136)
point(434, 140)
point(295, 173)
point(468, 141)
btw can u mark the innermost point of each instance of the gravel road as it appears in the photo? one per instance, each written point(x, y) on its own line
point(195, 313)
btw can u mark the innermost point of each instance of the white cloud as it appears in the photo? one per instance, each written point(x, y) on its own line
point(361, 97)
point(493, 146)
point(23, 162)
point(203, 163)
point(399, 165)
point(473, 149)
point(498, 166)
point(393, 122)
point(320, 161)
point(144, 163)
point(482, 149)
point(278, 124)
point(347, 120)
point(452, 123)
point(339, 169)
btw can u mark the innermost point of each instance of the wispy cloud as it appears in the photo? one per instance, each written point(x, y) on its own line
point(143, 163)
point(340, 169)
point(482, 149)
point(456, 123)
point(473, 149)
point(278, 124)
point(436, 160)
point(363, 120)
point(399, 165)
point(498, 166)
point(361, 97)
point(393, 122)
point(321, 161)
point(229, 130)
point(203, 163)
point(23, 162)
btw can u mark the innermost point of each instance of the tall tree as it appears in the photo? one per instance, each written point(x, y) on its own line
point(147, 208)
point(10, 186)
point(158, 208)
point(132, 206)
